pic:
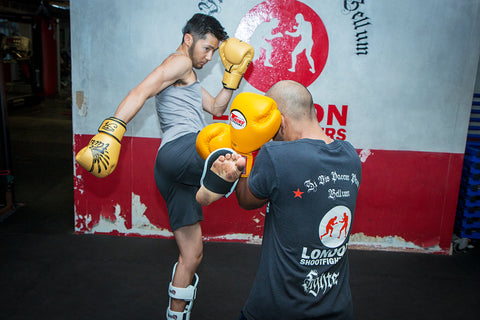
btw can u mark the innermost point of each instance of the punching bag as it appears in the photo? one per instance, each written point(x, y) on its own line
point(49, 57)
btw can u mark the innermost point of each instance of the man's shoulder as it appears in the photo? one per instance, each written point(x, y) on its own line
point(274, 145)
point(178, 60)
point(347, 145)
point(344, 143)
point(177, 55)
point(177, 68)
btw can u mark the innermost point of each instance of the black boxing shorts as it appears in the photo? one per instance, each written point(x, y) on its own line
point(178, 170)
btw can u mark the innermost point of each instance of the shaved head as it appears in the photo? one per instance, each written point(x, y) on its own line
point(293, 100)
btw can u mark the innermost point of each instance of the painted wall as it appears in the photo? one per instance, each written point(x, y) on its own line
point(395, 78)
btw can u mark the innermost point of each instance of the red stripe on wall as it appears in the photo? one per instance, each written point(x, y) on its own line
point(97, 198)
point(407, 194)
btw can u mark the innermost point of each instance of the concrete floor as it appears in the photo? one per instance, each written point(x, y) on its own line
point(48, 272)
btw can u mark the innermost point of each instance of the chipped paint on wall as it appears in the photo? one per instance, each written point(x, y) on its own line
point(78, 184)
point(106, 225)
point(81, 103)
point(139, 220)
point(364, 154)
point(83, 222)
point(242, 237)
point(258, 220)
point(360, 241)
point(141, 224)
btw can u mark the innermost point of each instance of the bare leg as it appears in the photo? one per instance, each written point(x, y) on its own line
point(229, 168)
point(189, 242)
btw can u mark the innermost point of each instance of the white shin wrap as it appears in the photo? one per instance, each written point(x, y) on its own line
point(188, 294)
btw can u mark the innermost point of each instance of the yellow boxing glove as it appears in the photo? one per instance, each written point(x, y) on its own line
point(213, 137)
point(100, 157)
point(236, 55)
point(254, 120)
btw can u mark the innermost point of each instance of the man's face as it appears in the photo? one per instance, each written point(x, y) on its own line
point(202, 50)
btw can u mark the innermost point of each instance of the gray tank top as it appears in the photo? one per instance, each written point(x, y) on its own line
point(180, 111)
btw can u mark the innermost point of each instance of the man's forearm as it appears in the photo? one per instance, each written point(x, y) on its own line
point(130, 105)
point(246, 199)
point(221, 101)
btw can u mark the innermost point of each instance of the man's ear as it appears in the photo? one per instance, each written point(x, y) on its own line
point(282, 127)
point(283, 124)
point(188, 39)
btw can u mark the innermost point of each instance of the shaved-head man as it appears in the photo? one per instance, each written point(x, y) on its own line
point(307, 179)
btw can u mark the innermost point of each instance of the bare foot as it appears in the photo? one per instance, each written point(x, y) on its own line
point(229, 168)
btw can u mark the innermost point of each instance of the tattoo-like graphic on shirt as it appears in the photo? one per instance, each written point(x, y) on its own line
point(315, 283)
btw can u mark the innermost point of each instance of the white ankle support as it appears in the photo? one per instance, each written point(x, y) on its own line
point(188, 294)
point(174, 315)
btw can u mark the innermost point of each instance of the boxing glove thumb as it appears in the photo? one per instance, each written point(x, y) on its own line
point(100, 156)
point(213, 137)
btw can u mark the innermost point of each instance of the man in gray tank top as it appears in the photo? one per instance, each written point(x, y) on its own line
point(180, 102)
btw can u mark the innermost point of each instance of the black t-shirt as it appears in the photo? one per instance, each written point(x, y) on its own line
point(303, 271)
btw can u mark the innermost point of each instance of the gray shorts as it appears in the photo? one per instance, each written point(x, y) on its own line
point(178, 169)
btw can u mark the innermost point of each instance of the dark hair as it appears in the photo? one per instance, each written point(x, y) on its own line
point(201, 24)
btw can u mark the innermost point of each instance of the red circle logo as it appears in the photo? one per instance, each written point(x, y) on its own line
point(290, 42)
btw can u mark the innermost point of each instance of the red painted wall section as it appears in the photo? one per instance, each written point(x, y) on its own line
point(412, 195)
point(98, 198)
point(114, 199)
point(407, 200)
point(143, 155)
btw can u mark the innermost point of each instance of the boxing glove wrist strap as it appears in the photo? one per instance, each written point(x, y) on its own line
point(231, 81)
point(113, 127)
